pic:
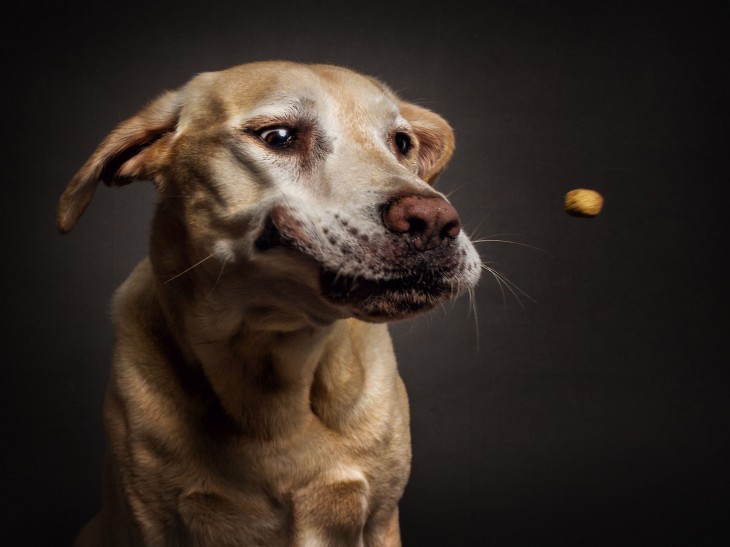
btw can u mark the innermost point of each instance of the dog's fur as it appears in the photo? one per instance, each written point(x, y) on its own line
point(254, 397)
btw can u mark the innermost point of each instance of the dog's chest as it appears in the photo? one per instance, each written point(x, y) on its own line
point(319, 497)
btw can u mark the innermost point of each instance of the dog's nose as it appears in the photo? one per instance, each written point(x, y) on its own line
point(428, 219)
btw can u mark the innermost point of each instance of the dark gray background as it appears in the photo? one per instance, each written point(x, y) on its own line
point(591, 412)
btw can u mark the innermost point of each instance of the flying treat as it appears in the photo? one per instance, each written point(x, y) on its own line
point(582, 202)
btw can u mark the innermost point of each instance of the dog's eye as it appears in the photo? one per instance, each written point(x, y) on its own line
point(277, 137)
point(403, 143)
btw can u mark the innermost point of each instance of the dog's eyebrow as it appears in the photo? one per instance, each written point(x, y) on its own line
point(279, 108)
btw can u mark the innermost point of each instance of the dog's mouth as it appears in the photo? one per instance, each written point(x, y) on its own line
point(373, 287)
point(384, 299)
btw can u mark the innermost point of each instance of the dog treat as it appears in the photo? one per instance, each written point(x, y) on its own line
point(582, 202)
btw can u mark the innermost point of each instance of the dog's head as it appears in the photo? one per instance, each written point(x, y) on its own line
point(291, 191)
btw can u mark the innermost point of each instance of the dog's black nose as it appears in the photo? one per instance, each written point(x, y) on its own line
point(428, 219)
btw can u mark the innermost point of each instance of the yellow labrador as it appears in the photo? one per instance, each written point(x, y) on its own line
point(254, 397)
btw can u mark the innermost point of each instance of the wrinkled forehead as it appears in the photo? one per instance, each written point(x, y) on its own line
point(285, 89)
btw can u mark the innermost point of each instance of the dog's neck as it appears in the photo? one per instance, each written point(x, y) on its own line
point(265, 380)
point(277, 383)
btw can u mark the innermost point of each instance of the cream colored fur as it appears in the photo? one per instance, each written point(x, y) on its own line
point(254, 396)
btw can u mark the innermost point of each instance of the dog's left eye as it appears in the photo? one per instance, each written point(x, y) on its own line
point(403, 143)
point(278, 137)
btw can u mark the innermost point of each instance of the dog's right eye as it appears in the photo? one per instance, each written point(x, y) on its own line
point(277, 137)
point(403, 143)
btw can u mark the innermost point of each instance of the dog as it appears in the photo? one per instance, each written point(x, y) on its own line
point(254, 398)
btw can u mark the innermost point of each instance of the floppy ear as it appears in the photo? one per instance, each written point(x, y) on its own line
point(125, 155)
point(435, 138)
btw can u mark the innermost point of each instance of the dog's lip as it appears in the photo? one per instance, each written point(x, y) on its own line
point(348, 288)
point(271, 237)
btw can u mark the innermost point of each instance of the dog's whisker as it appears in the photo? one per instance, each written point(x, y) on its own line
point(220, 274)
point(476, 230)
point(454, 190)
point(473, 309)
point(510, 285)
point(500, 284)
point(190, 268)
point(493, 240)
point(503, 284)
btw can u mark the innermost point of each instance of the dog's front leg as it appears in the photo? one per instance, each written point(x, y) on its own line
point(329, 515)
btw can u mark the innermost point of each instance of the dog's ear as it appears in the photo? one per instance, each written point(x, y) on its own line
point(435, 138)
point(125, 155)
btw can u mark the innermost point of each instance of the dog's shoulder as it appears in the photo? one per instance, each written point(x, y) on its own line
point(135, 294)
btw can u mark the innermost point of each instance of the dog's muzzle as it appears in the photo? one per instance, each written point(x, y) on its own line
point(410, 262)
